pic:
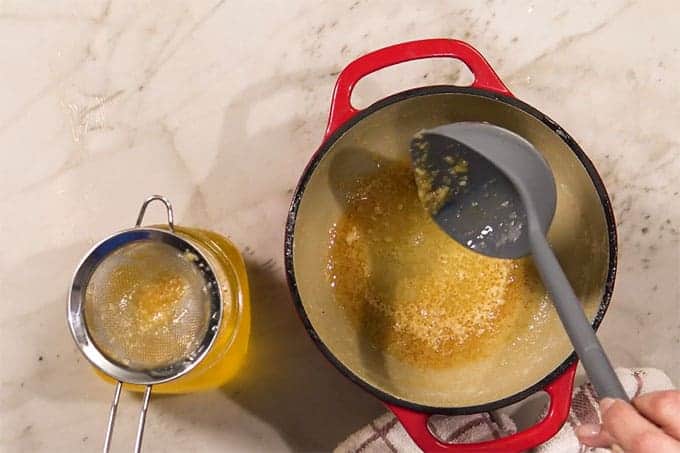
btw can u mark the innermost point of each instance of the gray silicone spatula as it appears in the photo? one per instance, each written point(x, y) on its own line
point(493, 192)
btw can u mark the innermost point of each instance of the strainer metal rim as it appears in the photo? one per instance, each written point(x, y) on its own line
point(76, 299)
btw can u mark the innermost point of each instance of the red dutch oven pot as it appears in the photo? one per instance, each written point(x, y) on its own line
point(583, 234)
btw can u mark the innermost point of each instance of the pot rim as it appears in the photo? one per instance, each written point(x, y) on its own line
point(423, 91)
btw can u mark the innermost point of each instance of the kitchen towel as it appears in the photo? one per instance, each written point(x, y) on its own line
point(385, 434)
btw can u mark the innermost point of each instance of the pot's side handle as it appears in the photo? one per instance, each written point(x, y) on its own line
point(341, 106)
point(559, 390)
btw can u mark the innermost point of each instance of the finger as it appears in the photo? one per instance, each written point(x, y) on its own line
point(662, 408)
point(633, 432)
point(593, 435)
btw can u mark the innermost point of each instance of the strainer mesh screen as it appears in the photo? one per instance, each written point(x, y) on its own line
point(147, 306)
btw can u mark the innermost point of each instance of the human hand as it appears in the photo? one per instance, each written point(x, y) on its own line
point(650, 424)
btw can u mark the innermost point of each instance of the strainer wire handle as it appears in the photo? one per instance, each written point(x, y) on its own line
point(142, 419)
point(112, 417)
point(168, 208)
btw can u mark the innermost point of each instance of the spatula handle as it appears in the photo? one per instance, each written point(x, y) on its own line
point(574, 320)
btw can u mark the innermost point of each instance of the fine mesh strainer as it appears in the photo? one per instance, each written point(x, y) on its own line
point(144, 308)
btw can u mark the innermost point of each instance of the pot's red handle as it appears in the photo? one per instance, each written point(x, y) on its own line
point(341, 107)
point(559, 390)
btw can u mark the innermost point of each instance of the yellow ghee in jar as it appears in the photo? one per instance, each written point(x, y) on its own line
point(153, 302)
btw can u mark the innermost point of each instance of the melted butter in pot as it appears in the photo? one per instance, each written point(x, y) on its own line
point(412, 291)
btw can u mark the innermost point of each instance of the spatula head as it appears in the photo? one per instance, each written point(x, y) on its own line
point(480, 182)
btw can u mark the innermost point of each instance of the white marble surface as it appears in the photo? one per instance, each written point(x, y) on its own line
point(104, 102)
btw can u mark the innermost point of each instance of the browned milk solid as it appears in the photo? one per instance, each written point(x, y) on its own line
point(410, 289)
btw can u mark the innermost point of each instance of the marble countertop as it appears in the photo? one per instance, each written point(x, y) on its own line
point(219, 105)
